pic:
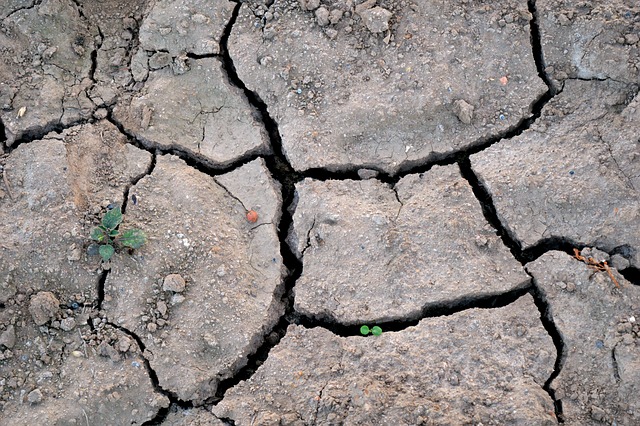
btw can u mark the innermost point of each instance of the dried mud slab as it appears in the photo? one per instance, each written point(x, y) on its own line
point(185, 26)
point(575, 174)
point(373, 253)
point(477, 366)
point(118, 23)
point(389, 85)
point(45, 68)
point(191, 417)
point(590, 40)
point(198, 112)
point(205, 288)
point(598, 323)
point(56, 190)
point(85, 387)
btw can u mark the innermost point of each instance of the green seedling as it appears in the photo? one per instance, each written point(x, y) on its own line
point(109, 237)
point(375, 330)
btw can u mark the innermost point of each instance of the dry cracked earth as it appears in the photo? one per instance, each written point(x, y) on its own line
point(462, 174)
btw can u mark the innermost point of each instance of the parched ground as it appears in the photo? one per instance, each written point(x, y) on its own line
point(462, 174)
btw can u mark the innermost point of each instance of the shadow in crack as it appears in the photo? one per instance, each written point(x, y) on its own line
point(428, 311)
point(631, 274)
point(549, 325)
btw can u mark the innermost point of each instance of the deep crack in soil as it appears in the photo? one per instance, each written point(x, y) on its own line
point(283, 172)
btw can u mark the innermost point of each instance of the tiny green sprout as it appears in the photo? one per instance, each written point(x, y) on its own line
point(109, 237)
point(375, 330)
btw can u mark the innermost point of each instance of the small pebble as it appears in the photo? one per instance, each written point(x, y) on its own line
point(35, 396)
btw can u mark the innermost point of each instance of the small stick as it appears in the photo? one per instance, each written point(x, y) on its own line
point(606, 268)
point(6, 183)
point(599, 266)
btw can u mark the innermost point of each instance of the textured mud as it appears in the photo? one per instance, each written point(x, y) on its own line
point(462, 174)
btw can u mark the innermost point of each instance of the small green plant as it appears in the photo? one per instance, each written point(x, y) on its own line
point(109, 237)
point(375, 330)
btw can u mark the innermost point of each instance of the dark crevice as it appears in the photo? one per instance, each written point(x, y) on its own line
point(154, 379)
point(553, 331)
point(39, 132)
point(536, 44)
point(489, 210)
point(94, 57)
point(196, 56)
point(631, 274)
point(3, 138)
point(101, 282)
point(282, 171)
point(431, 310)
point(34, 4)
point(191, 159)
point(134, 182)
point(614, 364)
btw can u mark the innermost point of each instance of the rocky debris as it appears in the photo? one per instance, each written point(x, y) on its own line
point(185, 26)
point(60, 186)
point(586, 40)
point(581, 158)
point(598, 324)
point(191, 417)
point(233, 268)
point(198, 111)
point(425, 243)
point(43, 307)
point(45, 69)
point(477, 366)
point(344, 97)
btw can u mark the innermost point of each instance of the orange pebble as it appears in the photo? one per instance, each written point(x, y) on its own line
point(504, 80)
point(252, 216)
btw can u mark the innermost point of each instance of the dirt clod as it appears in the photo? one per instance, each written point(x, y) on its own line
point(43, 307)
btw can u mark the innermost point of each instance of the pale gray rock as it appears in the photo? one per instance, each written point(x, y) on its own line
point(199, 112)
point(375, 253)
point(598, 323)
point(575, 174)
point(234, 270)
point(477, 366)
point(376, 19)
point(348, 98)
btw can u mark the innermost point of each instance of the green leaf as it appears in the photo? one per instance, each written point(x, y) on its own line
point(113, 232)
point(112, 218)
point(106, 251)
point(376, 331)
point(133, 238)
point(364, 330)
point(97, 234)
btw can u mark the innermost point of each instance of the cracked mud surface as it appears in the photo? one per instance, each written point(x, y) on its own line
point(305, 167)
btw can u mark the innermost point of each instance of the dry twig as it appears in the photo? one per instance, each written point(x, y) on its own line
point(594, 264)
